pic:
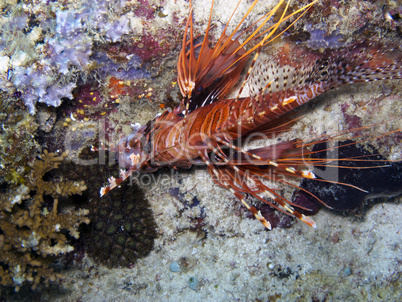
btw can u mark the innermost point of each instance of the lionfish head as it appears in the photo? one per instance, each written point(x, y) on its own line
point(132, 150)
point(133, 155)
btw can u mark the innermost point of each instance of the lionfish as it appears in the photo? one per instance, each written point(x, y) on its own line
point(207, 126)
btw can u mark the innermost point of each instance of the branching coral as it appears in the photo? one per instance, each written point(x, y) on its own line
point(34, 230)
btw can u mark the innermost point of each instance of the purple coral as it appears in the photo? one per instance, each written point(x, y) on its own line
point(47, 68)
point(70, 45)
point(320, 39)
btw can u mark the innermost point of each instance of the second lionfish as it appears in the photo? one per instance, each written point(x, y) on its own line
point(207, 126)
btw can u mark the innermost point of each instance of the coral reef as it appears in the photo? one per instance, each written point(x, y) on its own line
point(34, 227)
point(127, 61)
point(333, 24)
point(18, 149)
point(122, 228)
point(48, 47)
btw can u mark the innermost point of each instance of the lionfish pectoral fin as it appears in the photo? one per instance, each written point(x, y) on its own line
point(235, 180)
point(308, 221)
point(226, 183)
point(278, 202)
point(256, 164)
point(257, 214)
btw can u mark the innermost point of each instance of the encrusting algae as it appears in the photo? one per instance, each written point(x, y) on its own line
point(32, 230)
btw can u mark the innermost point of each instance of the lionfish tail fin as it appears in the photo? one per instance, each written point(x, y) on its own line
point(356, 64)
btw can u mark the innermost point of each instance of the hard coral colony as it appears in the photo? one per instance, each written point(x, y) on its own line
point(122, 228)
point(209, 126)
point(34, 230)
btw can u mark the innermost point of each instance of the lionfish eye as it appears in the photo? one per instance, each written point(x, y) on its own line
point(133, 144)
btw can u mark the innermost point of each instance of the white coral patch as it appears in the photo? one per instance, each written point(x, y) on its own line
point(4, 60)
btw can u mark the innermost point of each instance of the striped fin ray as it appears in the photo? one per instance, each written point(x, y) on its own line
point(241, 179)
point(207, 73)
point(246, 171)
